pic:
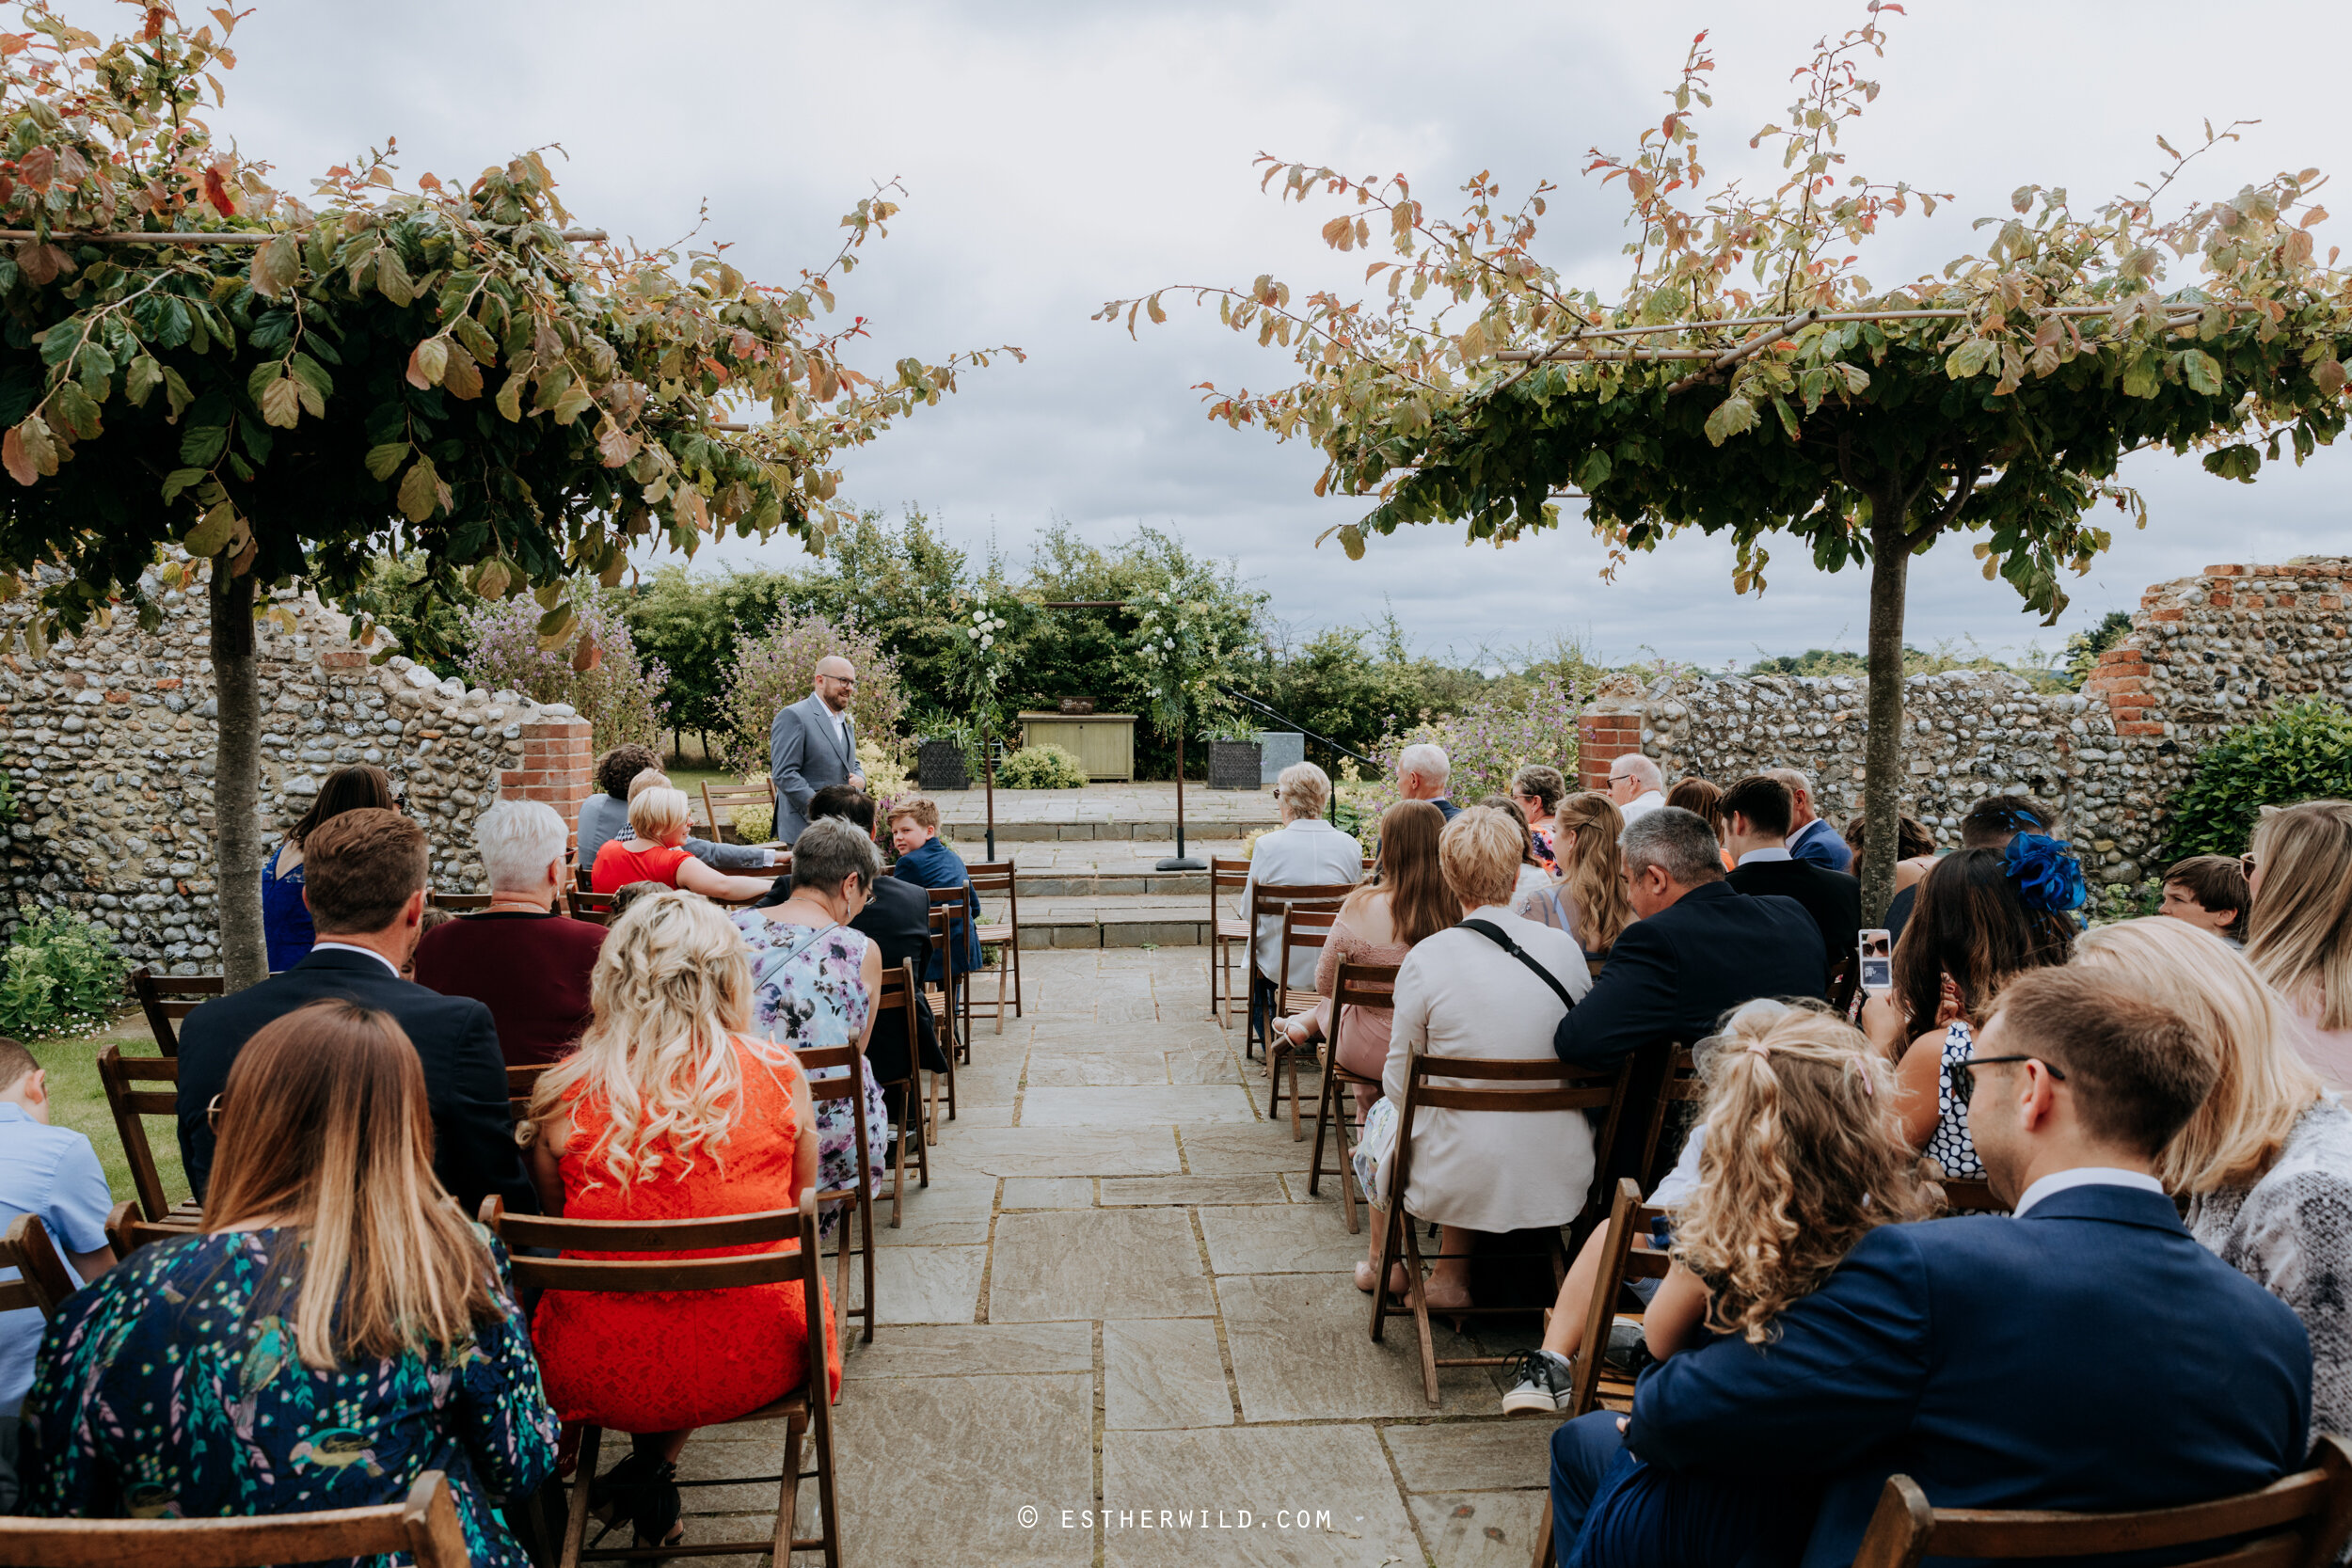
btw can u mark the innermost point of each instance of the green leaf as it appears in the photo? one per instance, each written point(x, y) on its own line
point(2142, 377)
point(391, 278)
point(275, 265)
point(510, 398)
point(2202, 372)
point(281, 405)
point(1788, 417)
point(179, 479)
point(256, 386)
point(1593, 471)
point(75, 407)
point(385, 461)
point(1969, 359)
point(420, 491)
point(176, 392)
point(1352, 541)
point(211, 535)
point(96, 368)
point(1731, 415)
point(143, 377)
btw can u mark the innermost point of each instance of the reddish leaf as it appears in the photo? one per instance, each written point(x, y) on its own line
point(216, 192)
point(13, 457)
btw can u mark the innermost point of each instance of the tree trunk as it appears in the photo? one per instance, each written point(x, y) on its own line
point(1882, 745)
point(236, 779)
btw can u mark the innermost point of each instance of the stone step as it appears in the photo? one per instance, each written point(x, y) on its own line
point(1113, 920)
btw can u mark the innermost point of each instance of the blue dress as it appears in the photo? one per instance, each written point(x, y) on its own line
point(285, 918)
point(170, 1388)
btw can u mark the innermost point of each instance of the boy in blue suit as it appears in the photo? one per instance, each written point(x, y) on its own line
point(927, 861)
point(2084, 1354)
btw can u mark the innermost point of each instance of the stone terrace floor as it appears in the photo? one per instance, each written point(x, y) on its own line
point(1116, 1295)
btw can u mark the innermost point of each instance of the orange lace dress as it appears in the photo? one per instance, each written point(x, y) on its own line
point(667, 1361)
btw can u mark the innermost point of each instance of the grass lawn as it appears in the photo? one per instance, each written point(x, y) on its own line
point(76, 1100)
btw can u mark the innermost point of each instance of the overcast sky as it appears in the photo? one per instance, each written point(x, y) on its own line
point(1055, 155)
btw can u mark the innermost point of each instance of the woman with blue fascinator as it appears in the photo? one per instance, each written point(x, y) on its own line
point(1983, 917)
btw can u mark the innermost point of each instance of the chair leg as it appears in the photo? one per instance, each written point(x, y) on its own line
point(1015, 950)
point(1276, 1054)
point(1297, 1133)
point(789, 1491)
point(1004, 962)
point(1543, 1558)
point(828, 1505)
point(906, 1125)
point(583, 1482)
point(1389, 1218)
point(1419, 1297)
point(865, 1219)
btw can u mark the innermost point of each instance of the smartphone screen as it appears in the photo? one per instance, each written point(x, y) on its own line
point(1876, 952)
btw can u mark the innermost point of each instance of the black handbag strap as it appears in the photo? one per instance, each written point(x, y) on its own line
point(1501, 939)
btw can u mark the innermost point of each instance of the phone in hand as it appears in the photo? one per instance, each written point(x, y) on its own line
point(1876, 952)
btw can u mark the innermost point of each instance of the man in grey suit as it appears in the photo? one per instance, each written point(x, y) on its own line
point(812, 744)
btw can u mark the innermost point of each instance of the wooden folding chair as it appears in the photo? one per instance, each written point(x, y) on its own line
point(2300, 1521)
point(41, 1280)
point(808, 1411)
point(1964, 1196)
point(1355, 985)
point(423, 1528)
point(720, 800)
point(1268, 900)
point(583, 878)
point(1304, 930)
point(121, 1075)
point(126, 1232)
point(857, 1203)
point(593, 908)
point(165, 999)
point(955, 903)
point(1003, 937)
point(1576, 1090)
point(894, 1008)
point(1682, 1086)
point(520, 1083)
point(460, 903)
point(1226, 932)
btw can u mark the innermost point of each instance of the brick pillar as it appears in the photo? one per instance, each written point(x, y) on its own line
point(557, 755)
point(1604, 733)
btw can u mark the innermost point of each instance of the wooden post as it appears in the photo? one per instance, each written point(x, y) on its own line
point(988, 773)
point(1180, 861)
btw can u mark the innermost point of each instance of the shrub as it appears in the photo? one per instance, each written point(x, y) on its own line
point(62, 975)
point(753, 824)
point(1488, 742)
point(618, 694)
point(2301, 753)
point(1041, 767)
point(776, 667)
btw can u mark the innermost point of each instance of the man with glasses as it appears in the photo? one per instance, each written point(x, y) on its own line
point(812, 744)
point(2085, 1353)
point(1636, 785)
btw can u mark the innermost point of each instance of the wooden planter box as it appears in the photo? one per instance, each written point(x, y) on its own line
point(942, 765)
point(1235, 765)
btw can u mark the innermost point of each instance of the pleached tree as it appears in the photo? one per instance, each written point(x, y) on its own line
point(287, 386)
point(1747, 380)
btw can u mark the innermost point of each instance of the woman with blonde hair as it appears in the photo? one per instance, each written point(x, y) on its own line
point(672, 1110)
point(1798, 1157)
point(2299, 931)
point(1405, 903)
point(2267, 1160)
point(1588, 899)
point(655, 852)
point(337, 1330)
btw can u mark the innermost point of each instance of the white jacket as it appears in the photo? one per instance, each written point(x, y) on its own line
point(1308, 852)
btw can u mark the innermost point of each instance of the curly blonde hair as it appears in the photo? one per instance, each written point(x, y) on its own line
point(1584, 832)
point(671, 990)
point(1803, 1157)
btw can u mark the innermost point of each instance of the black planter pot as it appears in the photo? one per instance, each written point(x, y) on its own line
point(941, 765)
point(1234, 764)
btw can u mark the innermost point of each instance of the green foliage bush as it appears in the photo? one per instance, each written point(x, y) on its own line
point(1041, 767)
point(62, 975)
point(753, 824)
point(2301, 753)
point(1518, 724)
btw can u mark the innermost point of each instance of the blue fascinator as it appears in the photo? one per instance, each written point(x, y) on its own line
point(2046, 876)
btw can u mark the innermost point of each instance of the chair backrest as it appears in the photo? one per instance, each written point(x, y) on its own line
point(122, 1077)
point(2300, 1521)
point(944, 926)
point(422, 1527)
point(720, 800)
point(991, 878)
point(40, 1278)
point(593, 908)
point(1629, 1253)
point(584, 878)
point(521, 1081)
point(1682, 1086)
point(1567, 1088)
point(1268, 900)
point(1963, 1196)
point(1227, 875)
point(126, 1232)
point(1359, 985)
point(1304, 929)
point(894, 1008)
point(165, 999)
point(850, 1086)
point(460, 903)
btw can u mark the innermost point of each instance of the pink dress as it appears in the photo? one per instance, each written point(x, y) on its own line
point(1363, 1043)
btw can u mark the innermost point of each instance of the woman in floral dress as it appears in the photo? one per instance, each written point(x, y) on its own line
point(813, 982)
point(285, 1361)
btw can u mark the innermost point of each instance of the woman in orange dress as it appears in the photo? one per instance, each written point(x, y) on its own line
point(669, 1111)
point(653, 852)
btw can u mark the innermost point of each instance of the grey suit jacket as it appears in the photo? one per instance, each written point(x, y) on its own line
point(805, 752)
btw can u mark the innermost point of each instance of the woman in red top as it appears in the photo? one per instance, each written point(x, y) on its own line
point(658, 820)
point(670, 1111)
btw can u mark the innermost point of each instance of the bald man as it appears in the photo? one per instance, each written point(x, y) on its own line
point(812, 744)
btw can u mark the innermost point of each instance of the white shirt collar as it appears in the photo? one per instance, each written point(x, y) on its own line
point(2086, 1175)
point(348, 947)
point(1647, 798)
point(1777, 853)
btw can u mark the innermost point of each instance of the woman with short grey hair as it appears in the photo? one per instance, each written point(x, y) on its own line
point(520, 958)
point(814, 981)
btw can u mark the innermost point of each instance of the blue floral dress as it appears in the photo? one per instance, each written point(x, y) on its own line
point(808, 992)
point(170, 1388)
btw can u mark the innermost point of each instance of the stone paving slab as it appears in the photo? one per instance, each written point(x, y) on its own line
point(1164, 1372)
point(1097, 1263)
point(1240, 1483)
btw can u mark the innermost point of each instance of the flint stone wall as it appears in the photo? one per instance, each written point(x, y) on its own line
point(2205, 654)
point(109, 753)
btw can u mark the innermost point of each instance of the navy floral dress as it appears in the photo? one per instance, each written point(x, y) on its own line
point(170, 1388)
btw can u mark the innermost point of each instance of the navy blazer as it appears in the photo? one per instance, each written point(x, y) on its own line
point(932, 864)
point(1674, 975)
point(465, 1076)
point(1832, 898)
point(2088, 1355)
point(1819, 843)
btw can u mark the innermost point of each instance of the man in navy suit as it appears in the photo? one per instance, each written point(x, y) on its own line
point(1811, 837)
point(364, 876)
point(1699, 950)
point(1758, 812)
point(2085, 1354)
